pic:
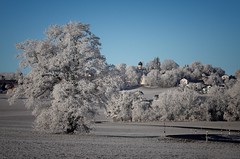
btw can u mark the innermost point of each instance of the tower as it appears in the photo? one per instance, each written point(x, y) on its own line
point(140, 64)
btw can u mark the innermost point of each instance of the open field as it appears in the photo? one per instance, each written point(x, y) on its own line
point(110, 140)
point(149, 92)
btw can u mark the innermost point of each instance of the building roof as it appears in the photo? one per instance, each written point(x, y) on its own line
point(140, 63)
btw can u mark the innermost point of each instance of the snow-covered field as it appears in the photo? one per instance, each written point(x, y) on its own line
point(109, 140)
point(149, 93)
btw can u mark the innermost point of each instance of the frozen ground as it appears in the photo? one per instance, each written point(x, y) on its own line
point(151, 92)
point(109, 140)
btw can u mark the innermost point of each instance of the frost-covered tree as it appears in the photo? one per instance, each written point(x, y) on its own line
point(178, 106)
point(237, 74)
point(155, 64)
point(122, 73)
point(122, 68)
point(9, 76)
point(128, 106)
point(132, 76)
point(207, 69)
point(219, 71)
point(161, 106)
point(112, 81)
point(153, 78)
point(232, 112)
point(120, 106)
point(197, 65)
point(66, 81)
point(170, 78)
point(213, 79)
point(216, 104)
point(169, 65)
point(196, 70)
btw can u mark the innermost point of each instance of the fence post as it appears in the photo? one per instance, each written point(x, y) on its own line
point(164, 129)
point(206, 136)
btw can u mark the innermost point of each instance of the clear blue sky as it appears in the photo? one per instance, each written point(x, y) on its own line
point(132, 30)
